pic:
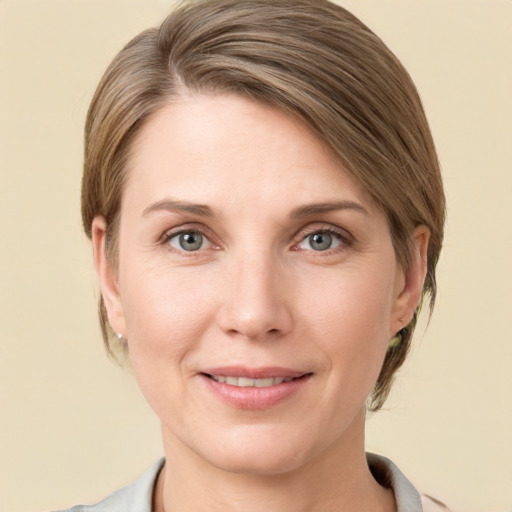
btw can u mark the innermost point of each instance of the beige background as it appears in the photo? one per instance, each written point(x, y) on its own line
point(73, 427)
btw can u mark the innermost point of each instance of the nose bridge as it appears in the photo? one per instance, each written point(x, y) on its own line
point(255, 302)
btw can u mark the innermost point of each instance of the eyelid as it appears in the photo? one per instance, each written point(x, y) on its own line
point(346, 238)
point(188, 228)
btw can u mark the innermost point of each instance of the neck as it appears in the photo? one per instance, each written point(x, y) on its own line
point(337, 479)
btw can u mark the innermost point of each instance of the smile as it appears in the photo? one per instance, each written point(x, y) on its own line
point(262, 388)
point(247, 382)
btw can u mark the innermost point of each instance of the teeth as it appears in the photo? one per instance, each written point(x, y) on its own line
point(265, 383)
point(246, 382)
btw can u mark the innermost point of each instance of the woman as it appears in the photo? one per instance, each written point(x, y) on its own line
point(266, 211)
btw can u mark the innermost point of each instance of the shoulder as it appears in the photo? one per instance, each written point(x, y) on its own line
point(407, 497)
point(136, 497)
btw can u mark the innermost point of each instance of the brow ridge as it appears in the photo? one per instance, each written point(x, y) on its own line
point(326, 207)
point(181, 206)
point(306, 210)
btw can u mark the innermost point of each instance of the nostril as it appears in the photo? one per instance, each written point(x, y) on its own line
point(254, 317)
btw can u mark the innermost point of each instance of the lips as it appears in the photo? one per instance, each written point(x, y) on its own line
point(254, 388)
point(247, 382)
point(263, 377)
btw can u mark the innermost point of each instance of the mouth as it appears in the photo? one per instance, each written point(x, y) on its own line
point(248, 382)
point(254, 388)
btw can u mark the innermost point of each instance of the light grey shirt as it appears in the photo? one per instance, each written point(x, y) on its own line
point(138, 496)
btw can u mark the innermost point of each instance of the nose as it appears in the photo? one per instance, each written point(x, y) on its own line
point(256, 302)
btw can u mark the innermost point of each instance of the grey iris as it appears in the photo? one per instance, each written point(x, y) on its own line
point(191, 241)
point(320, 241)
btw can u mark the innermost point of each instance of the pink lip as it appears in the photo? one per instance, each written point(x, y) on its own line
point(254, 373)
point(253, 397)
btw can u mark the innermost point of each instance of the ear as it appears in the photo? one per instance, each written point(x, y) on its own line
point(107, 276)
point(410, 284)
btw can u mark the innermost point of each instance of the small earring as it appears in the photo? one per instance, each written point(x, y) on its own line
point(396, 340)
point(121, 338)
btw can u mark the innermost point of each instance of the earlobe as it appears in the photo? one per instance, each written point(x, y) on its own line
point(107, 276)
point(409, 294)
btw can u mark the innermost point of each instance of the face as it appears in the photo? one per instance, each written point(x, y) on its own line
point(256, 284)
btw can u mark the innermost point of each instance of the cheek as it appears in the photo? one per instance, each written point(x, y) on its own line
point(165, 312)
point(356, 305)
point(351, 319)
point(166, 316)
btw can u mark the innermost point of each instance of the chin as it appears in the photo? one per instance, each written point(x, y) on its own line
point(252, 453)
point(258, 465)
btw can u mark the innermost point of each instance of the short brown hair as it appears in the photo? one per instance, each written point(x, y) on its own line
point(309, 58)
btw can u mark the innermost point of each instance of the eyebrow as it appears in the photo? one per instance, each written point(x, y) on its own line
point(203, 210)
point(322, 208)
point(179, 206)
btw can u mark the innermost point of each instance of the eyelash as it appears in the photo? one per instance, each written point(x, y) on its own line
point(344, 238)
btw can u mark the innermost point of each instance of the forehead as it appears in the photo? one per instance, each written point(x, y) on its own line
point(203, 145)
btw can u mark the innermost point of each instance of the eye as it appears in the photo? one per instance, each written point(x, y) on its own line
point(321, 241)
point(189, 241)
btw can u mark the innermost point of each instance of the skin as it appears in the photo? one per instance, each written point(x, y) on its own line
point(257, 293)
